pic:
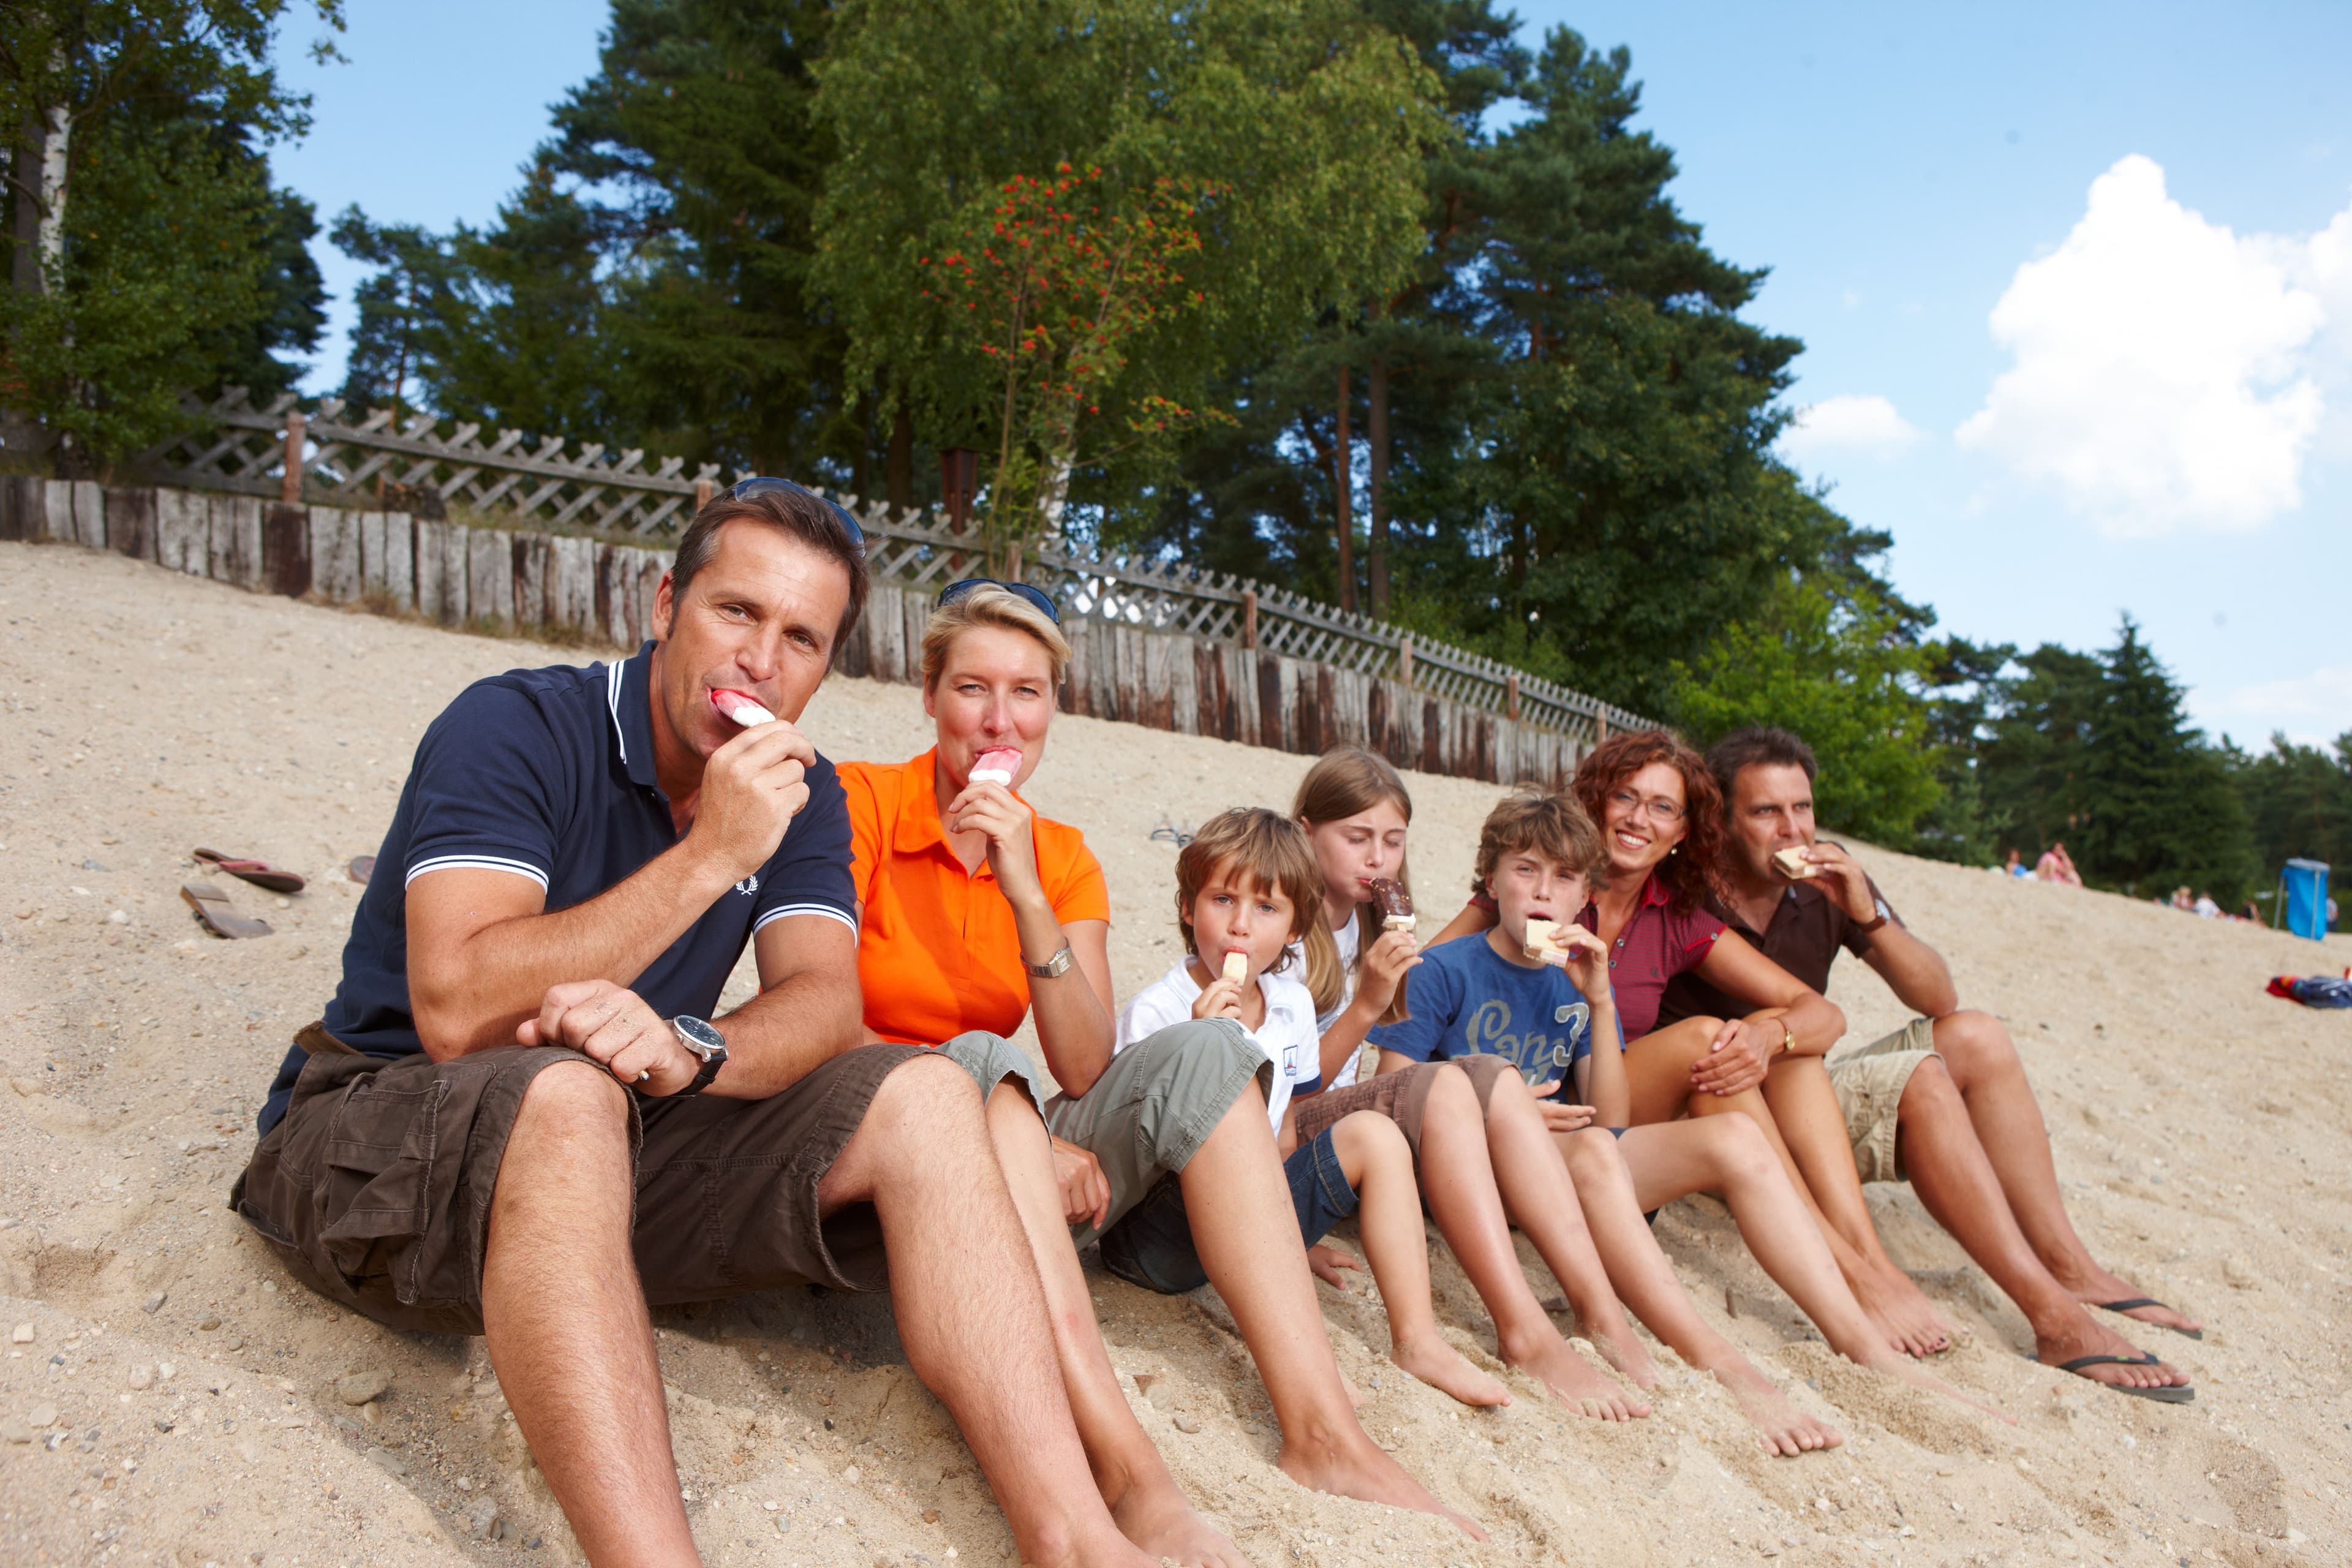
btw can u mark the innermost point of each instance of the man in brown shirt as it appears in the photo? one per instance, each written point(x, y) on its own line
point(1943, 1103)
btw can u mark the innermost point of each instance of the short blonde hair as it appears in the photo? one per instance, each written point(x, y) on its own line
point(990, 604)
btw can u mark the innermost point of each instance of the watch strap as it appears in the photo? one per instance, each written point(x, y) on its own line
point(1059, 964)
point(710, 1067)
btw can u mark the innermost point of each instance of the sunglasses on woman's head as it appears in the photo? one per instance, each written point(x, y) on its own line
point(744, 490)
point(954, 590)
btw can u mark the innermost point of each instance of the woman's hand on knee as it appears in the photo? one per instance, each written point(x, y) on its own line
point(1558, 1115)
point(1085, 1191)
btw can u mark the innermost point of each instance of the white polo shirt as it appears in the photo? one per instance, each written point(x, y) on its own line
point(1288, 1037)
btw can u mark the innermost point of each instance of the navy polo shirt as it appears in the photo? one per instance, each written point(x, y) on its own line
point(548, 774)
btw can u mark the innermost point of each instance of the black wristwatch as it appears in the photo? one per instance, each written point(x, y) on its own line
point(696, 1035)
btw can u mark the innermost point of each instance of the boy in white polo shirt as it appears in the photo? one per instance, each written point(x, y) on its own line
point(1246, 886)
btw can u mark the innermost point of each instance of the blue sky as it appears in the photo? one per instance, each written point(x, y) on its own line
point(2078, 330)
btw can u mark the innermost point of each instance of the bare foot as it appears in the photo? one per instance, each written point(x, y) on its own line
point(1573, 1381)
point(1353, 1466)
point(1909, 1321)
point(1787, 1430)
point(1621, 1348)
point(2096, 1285)
point(2089, 1337)
point(1429, 1358)
point(1155, 1516)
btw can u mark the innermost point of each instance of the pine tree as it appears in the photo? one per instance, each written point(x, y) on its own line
point(2157, 797)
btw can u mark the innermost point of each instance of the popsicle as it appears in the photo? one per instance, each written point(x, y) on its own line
point(996, 765)
point(1793, 864)
point(1396, 904)
point(1236, 967)
point(741, 708)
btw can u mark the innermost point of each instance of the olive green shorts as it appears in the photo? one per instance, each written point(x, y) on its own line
point(1155, 1105)
point(1869, 1084)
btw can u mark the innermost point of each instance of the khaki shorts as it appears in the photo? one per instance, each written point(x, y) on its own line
point(992, 1059)
point(375, 1189)
point(1155, 1105)
point(1401, 1097)
point(1869, 1084)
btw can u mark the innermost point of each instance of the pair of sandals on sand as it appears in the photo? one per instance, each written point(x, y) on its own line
point(211, 907)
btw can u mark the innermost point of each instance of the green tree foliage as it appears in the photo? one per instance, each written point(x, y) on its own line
point(2298, 805)
point(150, 256)
point(1312, 123)
point(1842, 671)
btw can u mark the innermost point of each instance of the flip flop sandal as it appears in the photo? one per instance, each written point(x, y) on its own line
point(2181, 1394)
point(213, 912)
point(2124, 1307)
point(362, 867)
point(260, 873)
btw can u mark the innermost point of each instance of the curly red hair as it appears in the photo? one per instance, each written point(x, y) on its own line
point(1697, 871)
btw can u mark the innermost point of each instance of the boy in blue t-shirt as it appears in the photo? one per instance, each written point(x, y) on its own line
point(1483, 995)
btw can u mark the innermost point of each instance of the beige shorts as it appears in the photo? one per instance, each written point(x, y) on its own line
point(1869, 1084)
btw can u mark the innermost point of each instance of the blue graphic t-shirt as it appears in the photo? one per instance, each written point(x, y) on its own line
point(1467, 1000)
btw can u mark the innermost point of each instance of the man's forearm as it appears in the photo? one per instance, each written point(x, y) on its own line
point(500, 975)
point(1914, 971)
point(787, 1032)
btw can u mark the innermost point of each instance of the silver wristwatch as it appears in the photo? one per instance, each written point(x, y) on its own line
point(707, 1043)
point(1054, 967)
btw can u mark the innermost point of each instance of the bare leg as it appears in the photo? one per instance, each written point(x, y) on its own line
point(595, 1421)
point(1658, 1068)
point(1378, 1163)
point(1135, 1483)
point(1636, 1265)
point(1984, 1065)
point(1728, 1154)
point(970, 1306)
point(1248, 1237)
point(1955, 1179)
point(1812, 1129)
point(1483, 1167)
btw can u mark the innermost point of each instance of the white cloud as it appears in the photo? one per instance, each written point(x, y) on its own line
point(2312, 709)
point(2168, 374)
point(1869, 425)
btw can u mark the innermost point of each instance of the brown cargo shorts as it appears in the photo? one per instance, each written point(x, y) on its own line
point(1401, 1097)
point(375, 1189)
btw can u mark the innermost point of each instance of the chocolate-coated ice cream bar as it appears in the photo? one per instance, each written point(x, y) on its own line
point(1396, 904)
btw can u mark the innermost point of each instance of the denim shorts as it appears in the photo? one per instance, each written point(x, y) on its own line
point(1152, 1247)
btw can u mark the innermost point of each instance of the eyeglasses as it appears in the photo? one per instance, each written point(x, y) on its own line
point(954, 590)
point(1660, 810)
point(744, 490)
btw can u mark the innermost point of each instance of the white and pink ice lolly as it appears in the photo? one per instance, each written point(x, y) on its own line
point(740, 707)
point(996, 766)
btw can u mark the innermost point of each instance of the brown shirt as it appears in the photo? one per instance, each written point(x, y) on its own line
point(1807, 928)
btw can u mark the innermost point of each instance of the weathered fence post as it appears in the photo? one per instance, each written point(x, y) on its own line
point(1404, 661)
point(290, 488)
point(1602, 720)
point(1511, 696)
point(1249, 617)
point(703, 490)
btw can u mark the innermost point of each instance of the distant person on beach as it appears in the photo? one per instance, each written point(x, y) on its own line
point(974, 911)
point(2205, 907)
point(2057, 866)
point(519, 1117)
point(1942, 1102)
point(2014, 865)
point(2184, 901)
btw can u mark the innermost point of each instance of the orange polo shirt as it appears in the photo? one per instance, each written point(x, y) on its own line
point(937, 950)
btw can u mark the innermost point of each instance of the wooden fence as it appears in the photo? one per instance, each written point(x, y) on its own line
point(578, 589)
point(350, 461)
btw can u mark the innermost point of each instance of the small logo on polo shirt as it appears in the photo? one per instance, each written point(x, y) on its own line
point(748, 886)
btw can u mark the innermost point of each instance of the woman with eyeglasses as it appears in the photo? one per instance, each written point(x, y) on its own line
point(974, 912)
point(1661, 815)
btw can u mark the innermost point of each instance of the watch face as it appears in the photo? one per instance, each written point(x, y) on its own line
point(698, 1035)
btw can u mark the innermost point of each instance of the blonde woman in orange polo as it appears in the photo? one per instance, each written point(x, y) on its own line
point(976, 912)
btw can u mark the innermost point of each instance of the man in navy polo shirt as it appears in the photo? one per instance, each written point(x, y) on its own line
point(515, 1119)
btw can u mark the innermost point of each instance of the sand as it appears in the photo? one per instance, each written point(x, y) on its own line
point(169, 1396)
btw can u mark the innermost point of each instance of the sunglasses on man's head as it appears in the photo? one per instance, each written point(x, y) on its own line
point(954, 590)
point(744, 490)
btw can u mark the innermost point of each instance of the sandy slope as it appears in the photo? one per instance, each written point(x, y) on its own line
point(178, 1402)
